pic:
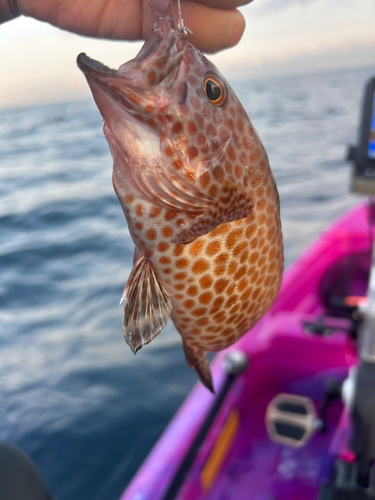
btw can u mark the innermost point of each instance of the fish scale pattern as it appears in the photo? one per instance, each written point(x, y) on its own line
point(221, 284)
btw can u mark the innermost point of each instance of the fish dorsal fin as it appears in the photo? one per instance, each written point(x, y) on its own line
point(147, 304)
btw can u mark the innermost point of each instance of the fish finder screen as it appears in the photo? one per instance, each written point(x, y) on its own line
point(371, 141)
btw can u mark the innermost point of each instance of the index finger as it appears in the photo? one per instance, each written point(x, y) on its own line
point(223, 4)
point(213, 29)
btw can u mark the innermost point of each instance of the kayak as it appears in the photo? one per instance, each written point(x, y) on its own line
point(277, 427)
point(293, 416)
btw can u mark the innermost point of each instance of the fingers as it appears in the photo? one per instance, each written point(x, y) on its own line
point(160, 6)
point(223, 4)
point(216, 24)
point(8, 11)
point(213, 29)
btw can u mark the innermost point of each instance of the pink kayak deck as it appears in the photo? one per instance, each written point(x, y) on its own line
point(237, 460)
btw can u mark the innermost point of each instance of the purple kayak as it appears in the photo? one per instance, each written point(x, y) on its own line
point(224, 446)
point(293, 416)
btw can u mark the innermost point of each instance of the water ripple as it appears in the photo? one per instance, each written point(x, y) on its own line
point(72, 394)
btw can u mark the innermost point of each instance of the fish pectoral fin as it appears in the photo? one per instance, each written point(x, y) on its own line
point(159, 183)
point(147, 305)
point(232, 204)
point(198, 360)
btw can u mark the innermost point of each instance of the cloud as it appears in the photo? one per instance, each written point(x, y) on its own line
point(282, 37)
point(305, 30)
point(41, 65)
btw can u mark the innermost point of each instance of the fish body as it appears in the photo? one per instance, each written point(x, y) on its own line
point(198, 194)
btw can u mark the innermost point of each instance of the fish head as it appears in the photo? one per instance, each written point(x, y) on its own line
point(169, 95)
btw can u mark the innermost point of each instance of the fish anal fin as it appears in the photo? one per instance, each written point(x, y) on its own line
point(198, 360)
point(232, 204)
point(147, 304)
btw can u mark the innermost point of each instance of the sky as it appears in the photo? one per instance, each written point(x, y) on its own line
point(282, 37)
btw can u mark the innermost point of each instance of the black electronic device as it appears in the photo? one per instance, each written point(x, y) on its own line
point(363, 155)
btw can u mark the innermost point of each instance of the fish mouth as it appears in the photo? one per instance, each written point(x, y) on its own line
point(137, 83)
point(113, 82)
point(95, 69)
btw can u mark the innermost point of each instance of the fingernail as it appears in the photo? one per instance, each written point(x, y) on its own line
point(159, 6)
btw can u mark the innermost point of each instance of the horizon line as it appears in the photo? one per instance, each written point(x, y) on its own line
point(235, 80)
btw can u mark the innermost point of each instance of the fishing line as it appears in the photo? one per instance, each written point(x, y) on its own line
point(174, 13)
point(180, 23)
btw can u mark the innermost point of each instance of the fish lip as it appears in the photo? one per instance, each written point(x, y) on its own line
point(95, 69)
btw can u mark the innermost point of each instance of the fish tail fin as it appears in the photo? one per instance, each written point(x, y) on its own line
point(198, 360)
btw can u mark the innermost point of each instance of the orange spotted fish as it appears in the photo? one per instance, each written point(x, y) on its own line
point(198, 194)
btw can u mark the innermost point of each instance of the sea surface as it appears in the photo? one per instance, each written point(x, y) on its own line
point(72, 394)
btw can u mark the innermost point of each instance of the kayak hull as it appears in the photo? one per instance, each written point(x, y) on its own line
point(302, 343)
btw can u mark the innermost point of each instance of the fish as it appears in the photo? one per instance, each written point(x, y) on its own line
point(198, 194)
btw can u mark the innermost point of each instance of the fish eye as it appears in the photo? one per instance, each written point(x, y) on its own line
point(215, 89)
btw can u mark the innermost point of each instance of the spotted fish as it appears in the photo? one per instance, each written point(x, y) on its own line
point(198, 194)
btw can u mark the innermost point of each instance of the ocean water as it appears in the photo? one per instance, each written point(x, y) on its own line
point(72, 394)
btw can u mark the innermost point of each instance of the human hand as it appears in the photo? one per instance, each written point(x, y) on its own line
point(216, 24)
